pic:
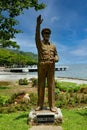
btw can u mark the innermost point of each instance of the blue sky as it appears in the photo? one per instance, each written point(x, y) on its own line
point(68, 21)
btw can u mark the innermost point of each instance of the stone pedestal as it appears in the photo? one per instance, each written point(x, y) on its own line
point(45, 116)
point(46, 127)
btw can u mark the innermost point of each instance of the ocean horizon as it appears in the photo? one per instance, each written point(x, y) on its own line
point(78, 71)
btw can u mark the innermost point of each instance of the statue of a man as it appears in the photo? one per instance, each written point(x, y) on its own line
point(47, 56)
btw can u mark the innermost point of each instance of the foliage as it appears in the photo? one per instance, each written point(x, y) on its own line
point(16, 58)
point(33, 101)
point(13, 103)
point(32, 55)
point(57, 91)
point(83, 88)
point(75, 116)
point(8, 43)
point(3, 100)
point(69, 94)
point(9, 10)
point(34, 82)
point(23, 81)
point(11, 97)
point(67, 100)
point(66, 86)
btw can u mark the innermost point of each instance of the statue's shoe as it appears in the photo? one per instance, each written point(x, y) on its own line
point(53, 109)
point(38, 108)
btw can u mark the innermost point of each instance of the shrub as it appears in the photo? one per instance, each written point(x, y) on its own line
point(13, 104)
point(57, 84)
point(57, 91)
point(23, 81)
point(4, 100)
point(33, 97)
point(83, 90)
point(67, 86)
point(34, 82)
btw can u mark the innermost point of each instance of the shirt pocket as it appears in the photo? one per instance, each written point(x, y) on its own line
point(52, 52)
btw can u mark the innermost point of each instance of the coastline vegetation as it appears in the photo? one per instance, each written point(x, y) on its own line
point(70, 97)
point(16, 58)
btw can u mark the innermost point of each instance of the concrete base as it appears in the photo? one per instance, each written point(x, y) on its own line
point(46, 127)
point(45, 116)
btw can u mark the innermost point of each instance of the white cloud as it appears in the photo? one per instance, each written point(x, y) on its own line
point(79, 52)
point(54, 19)
point(26, 43)
point(72, 54)
point(81, 49)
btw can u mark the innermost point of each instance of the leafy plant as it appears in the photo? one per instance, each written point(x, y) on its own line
point(23, 81)
point(67, 87)
point(4, 100)
point(33, 97)
point(83, 88)
point(8, 11)
point(34, 82)
point(57, 91)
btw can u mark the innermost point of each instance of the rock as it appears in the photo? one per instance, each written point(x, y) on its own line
point(26, 98)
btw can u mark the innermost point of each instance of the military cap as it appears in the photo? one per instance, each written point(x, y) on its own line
point(46, 30)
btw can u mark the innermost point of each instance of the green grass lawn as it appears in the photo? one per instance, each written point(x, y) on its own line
point(74, 119)
point(14, 121)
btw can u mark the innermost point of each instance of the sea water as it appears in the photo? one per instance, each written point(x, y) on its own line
point(78, 71)
point(74, 71)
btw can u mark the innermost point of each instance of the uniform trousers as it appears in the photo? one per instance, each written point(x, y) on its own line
point(46, 71)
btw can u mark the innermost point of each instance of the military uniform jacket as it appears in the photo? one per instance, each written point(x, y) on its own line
point(47, 52)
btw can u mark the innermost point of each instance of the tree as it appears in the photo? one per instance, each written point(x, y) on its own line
point(9, 10)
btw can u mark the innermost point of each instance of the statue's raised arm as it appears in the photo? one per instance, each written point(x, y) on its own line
point(37, 35)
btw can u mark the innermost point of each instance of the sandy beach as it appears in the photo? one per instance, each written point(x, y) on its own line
point(78, 81)
point(8, 76)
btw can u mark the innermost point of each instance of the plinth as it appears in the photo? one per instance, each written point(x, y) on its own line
point(45, 116)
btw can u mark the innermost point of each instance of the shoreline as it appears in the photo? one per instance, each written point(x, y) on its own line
point(72, 80)
point(8, 76)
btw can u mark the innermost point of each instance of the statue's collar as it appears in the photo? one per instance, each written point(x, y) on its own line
point(46, 43)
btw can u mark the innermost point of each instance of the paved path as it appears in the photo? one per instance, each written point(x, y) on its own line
point(44, 127)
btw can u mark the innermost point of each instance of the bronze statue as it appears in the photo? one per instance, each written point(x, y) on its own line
point(47, 56)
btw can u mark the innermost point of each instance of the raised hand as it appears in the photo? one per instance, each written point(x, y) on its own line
point(39, 20)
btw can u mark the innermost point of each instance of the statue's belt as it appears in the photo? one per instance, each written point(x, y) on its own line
point(46, 61)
